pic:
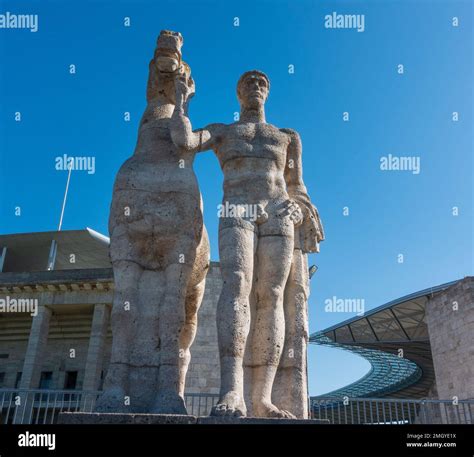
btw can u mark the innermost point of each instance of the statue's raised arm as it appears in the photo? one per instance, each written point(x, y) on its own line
point(181, 129)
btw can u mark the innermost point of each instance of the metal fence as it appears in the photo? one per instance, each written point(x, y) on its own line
point(200, 404)
point(43, 406)
point(391, 411)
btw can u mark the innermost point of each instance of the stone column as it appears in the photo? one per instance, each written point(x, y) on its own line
point(37, 341)
point(31, 373)
point(97, 342)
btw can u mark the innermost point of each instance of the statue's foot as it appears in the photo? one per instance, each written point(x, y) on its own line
point(112, 401)
point(169, 403)
point(231, 404)
point(266, 409)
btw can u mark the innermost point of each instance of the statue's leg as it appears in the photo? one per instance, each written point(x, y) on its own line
point(236, 251)
point(171, 322)
point(188, 333)
point(123, 322)
point(274, 256)
point(145, 356)
point(290, 389)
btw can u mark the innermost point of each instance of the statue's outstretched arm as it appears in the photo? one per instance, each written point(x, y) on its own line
point(182, 132)
point(312, 229)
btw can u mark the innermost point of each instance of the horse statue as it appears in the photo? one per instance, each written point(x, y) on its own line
point(159, 249)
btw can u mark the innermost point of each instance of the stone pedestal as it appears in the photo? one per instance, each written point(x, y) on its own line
point(213, 420)
point(119, 418)
point(116, 418)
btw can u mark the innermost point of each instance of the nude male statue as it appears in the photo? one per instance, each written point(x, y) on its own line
point(262, 168)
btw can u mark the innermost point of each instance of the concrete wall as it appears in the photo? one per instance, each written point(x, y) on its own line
point(57, 359)
point(451, 333)
point(204, 371)
point(430, 412)
point(14, 363)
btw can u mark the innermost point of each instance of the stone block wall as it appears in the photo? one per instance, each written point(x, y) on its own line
point(203, 374)
point(450, 320)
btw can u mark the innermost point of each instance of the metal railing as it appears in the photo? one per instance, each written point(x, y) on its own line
point(200, 404)
point(43, 406)
point(344, 410)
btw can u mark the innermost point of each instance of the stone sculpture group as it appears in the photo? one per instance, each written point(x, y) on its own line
point(160, 254)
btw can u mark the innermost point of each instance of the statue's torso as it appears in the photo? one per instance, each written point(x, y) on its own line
point(253, 158)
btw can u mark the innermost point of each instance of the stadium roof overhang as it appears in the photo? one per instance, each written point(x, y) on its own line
point(394, 339)
point(76, 249)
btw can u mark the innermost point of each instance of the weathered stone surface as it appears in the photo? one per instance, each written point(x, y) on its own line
point(450, 321)
point(217, 420)
point(120, 418)
point(160, 255)
point(290, 389)
point(203, 374)
point(267, 226)
point(113, 418)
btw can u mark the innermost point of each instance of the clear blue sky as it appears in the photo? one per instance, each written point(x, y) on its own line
point(391, 212)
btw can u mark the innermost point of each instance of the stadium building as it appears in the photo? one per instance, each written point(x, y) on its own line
point(420, 347)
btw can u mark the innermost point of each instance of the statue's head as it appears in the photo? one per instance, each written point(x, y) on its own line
point(253, 89)
point(166, 65)
point(168, 51)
